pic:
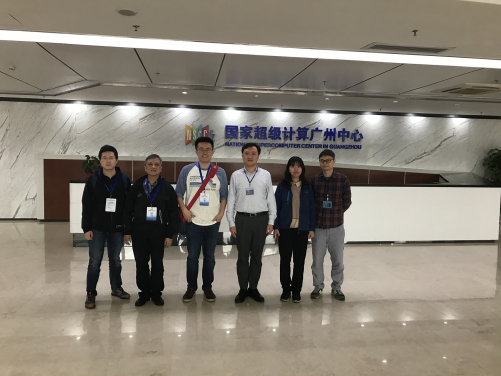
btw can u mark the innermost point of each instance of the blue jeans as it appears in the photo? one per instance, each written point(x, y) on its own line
point(201, 238)
point(115, 242)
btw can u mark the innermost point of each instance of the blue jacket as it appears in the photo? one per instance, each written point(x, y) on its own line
point(283, 197)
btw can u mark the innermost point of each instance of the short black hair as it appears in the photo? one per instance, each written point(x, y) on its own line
point(327, 152)
point(250, 145)
point(204, 139)
point(106, 148)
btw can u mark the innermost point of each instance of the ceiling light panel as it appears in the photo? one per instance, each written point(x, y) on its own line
point(101, 63)
point(9, 84)
point(338, 75)
point(408, 77)
point(35, 66)
point(479, 77)
point(259, 71)
point(181, 68)
point(172, 45)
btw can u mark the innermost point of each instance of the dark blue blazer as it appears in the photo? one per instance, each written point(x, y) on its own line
point(283, 197)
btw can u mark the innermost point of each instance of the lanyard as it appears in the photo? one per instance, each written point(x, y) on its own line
point(250, 181)
point(148, 188)
point(326, 185)
point(114, 184)
point(207, 174)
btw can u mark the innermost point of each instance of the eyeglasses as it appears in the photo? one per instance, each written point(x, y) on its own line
point(153, 164)
point(207, 150)
point(325, 161)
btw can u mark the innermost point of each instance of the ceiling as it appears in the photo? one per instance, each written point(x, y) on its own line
point(74, 72)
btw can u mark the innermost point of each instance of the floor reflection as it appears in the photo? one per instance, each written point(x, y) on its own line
point(411, 309)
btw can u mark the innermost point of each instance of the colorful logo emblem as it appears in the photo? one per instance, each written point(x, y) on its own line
point(192, 133)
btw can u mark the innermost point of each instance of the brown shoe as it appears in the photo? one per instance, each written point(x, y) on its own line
point(189, 294)
point(209, 295)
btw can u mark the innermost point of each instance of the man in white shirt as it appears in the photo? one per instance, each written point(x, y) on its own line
point(203, 218)
point(251, 214)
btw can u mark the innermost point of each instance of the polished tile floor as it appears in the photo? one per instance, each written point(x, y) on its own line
point(418, 309)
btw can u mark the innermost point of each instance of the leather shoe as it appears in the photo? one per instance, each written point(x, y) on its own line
point(158, 301)
point(254, 294)
point(242, 294)
point(141, 301)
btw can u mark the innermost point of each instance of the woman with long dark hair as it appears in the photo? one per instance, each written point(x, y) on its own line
point(294, 225)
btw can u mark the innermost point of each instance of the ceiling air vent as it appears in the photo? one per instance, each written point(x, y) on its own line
point(405, 49)
point(469, 89)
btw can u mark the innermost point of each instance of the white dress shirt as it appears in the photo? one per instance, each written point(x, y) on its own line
point(263, 199)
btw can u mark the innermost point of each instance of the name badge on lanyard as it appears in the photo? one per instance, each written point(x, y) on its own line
point(151, 211)
point(204, 197)
point(327, 204)
point(250, 191)
point(111, 203)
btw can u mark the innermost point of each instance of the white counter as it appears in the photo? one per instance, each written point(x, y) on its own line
point(388, 214)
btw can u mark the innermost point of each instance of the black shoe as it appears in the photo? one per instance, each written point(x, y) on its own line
point(254, 294)
point(158, 301)
point(141, 301)
point(286, 295)
point(242, 294)
point(90, 301)
point(189, 294)
point(296, 297)
point(338, 295)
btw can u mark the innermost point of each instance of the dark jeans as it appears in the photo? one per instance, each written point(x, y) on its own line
point(148, 243)
point(201, 238)
point(292, 244)
point(115, 242)
point(251, 236)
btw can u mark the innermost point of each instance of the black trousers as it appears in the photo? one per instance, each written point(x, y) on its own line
point(292, 243)
point(148, 244)
point(251, 236)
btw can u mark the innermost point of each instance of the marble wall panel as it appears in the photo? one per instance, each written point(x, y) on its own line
point(30, 129)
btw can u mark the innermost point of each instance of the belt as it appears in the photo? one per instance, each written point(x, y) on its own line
point(253, 214)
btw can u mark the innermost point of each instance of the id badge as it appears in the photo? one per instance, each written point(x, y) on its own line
point(327, 205)
point(249, 192)
point(204, 199)
point(111, 205)
point(151, 214)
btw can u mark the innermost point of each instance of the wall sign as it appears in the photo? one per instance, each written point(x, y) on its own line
point(338, 139)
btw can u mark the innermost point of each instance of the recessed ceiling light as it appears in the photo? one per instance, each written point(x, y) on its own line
point(457, 104)
point(384, 361)
point(326, 99)
point(255, 96)
point(239, 49)
point(126, 12)
point(227, 332)
point(395, 101)
point(185, 92)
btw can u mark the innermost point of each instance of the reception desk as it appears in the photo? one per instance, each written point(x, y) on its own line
point(396, 213)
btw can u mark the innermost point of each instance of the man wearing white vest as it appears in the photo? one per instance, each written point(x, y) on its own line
point(203, 211)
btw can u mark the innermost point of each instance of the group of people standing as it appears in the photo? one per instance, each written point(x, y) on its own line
point(149, 213)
